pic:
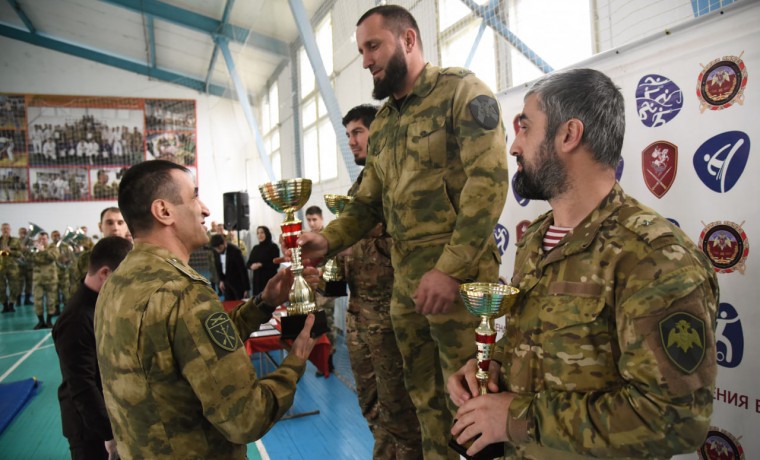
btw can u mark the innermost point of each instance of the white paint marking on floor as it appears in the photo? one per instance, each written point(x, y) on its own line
point(23, 358)
point(262, 450)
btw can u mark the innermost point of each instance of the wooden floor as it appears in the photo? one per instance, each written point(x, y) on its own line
point(337, 432)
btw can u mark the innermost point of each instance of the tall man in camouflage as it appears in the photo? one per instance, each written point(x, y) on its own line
point(609, 349)
point(25, 271)
point(177, 380)
point(437, 173)
point(375, 357)
point(10, 281)
point(111, 224)
point(65, 259)
point(44, 259)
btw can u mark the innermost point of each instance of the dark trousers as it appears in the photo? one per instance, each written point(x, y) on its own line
point(88, 450)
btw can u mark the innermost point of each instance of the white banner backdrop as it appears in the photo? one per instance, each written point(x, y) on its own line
point(692, 130)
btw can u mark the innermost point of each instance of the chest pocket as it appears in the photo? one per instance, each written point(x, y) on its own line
point(426, 145)
point(576, 337)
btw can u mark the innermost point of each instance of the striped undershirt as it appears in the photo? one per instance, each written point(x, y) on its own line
point(553, 236)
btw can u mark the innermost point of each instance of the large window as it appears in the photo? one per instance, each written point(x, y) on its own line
point(458, 29)
point(559, 31)
point(270, 127)
point(320, 151)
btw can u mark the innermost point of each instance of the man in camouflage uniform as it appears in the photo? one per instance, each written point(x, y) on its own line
point(102, 189)
point(375, 358)
point(25, 271)
point(44, 259)
point(10, 282)
point(609, 350)
point(177, 380)
point(437, 173)
point(65, 259)
point(111, 224)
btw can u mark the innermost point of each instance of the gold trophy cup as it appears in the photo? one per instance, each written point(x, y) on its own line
point(288, 196)
point(488, 301)
point(336, 204)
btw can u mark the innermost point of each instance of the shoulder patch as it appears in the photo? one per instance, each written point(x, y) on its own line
point(187, 271)
point(220, 331)
point(683, 340)
point(485, 110)
point(458, 71)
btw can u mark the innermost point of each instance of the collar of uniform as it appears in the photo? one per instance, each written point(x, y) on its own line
point(169, 257)
point(422, 86)
point(585, 232)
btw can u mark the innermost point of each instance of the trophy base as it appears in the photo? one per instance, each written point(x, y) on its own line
point(489, 452)
point(332, 288)
point(293, 324)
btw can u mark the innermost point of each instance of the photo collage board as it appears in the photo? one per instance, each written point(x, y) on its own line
point(76, 148)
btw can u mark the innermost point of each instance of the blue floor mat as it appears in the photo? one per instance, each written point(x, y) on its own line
point(13, 398)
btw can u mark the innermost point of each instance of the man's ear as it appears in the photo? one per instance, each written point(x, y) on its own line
point(104, 272)
point(162, 211)
point(410, 39)
point(570, 135)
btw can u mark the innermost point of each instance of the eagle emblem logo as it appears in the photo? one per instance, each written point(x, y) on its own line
point(683, 339)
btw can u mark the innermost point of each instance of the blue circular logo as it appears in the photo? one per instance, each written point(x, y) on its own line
point(520, 200)
point(729, 336)
point(720, 161)
point(501, 234)
point(658, 100)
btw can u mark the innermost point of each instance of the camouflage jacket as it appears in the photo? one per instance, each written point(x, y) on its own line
point(436, 171)
point(44, 264)
point(13, 246)
point(610, 345)
point(177, 380)
point(368, 272)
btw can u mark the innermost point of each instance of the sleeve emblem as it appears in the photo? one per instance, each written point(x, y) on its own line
point(683, 339)
point(485, 110)
point(220, 330)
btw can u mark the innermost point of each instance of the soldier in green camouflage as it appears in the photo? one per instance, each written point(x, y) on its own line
point(44, 259)
point(609, 350)
point(111, 224)
point(375, 358)
point(10, 281)
point(65, 260)
point(177, 380)
point(25, 271)
point(437, 173)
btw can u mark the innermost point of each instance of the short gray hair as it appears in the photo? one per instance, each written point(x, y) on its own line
point(591, 97)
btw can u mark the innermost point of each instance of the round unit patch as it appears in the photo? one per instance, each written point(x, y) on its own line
point(721, 83)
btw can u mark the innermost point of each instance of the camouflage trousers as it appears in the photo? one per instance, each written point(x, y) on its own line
point(378, 369)
point(328, 305)
point(64, 285)
point(10, 284)
point(25, 280)
point(47, 291)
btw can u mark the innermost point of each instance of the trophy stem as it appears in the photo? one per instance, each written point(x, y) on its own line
point(485, 338)
point(332, 270)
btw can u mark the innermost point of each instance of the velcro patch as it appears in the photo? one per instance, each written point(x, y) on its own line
point(485, 110)
point(683, 339)
point(220, 330)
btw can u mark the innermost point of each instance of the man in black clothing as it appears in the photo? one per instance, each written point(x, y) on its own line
point(83, 410)
point(230, 265)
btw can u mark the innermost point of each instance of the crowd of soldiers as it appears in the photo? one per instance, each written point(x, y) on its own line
point(39, 266)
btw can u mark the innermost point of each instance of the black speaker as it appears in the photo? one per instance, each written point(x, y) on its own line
point(236, 211)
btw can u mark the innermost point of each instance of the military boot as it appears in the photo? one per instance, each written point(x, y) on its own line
point(6, 308)
point(28, 299)
point(40, 322)
point(49, 323)
point(57, 312)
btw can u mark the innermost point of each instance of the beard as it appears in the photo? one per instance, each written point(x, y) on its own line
point(547, 180)
point(395, 73)
point(360, 161)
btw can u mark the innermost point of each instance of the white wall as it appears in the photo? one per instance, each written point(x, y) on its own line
point(224, 140)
